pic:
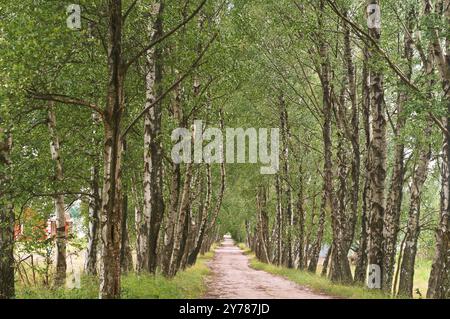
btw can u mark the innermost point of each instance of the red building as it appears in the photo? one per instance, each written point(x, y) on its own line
point(48, 228)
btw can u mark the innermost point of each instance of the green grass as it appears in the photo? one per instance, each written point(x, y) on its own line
point(315, 282)
point(188, 284)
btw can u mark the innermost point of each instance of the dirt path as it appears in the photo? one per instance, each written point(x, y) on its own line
point(233, 278)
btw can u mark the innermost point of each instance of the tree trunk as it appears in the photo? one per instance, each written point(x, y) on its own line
point(94, 208)
point(279, 222)
point(327, 191)
point(317, 244)
point(348, 134)
point(95, 203)
point(361, 264)
point(286, 203)
point(394, 200)
point(340, 267)
point(61, 265)
point(7, 289)
point(300, 222)
point(356, 158)
point(210, 230)
point(189, 228)
point(180, 223)
point(326, 261)
point(138, 215)
point(413, 231)
point(175, 188)
point(126, 259)
point(397, 270)
point(171, 221)
point(393, 206)
point(184, 239)
point(308, 247)
point(112, 186)
point(378, 149)
point(262, 225)
point(439, 281)
point(204, 219)
point(153, 164)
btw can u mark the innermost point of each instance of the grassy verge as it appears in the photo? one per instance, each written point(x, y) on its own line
point(315, 282)
point(186, 284)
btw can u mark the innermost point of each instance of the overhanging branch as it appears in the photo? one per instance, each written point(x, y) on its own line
point(64, 99)
point(164, 36)
point(174, 85)
point(362, 34)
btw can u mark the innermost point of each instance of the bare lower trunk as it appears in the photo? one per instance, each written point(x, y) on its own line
point(326, 262)
point(169, 231)
point(210, 233)
point(203, 220)
point(61, 265)
point(141, 228)
point(126, 260)
point(262, 225)
point(392, 216)
point(317, 244)
point(181, 221)
point(397, 270)
point(413, 231)
point(142, 220)
point(339, 267)
point(192, 235)
point(300, 213)
point(178, 264)
point(7, 289)
point(439, 281)
point(175, 188)
point(279, 223)
point(111, 218)
point(93, 235)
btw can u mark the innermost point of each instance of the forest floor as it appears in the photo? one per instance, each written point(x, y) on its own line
point(231, 277)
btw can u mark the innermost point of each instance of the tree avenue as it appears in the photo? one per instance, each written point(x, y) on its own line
point(135, 134)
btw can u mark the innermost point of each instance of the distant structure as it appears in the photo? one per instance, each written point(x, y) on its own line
point(47, 229)
point(51, 225)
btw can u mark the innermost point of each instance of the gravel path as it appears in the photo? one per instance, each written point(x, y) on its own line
point(233, 278)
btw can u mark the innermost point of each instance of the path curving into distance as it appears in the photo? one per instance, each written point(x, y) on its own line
point(232, 278)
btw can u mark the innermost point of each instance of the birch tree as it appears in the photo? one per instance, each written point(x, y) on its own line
point(7, 287)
